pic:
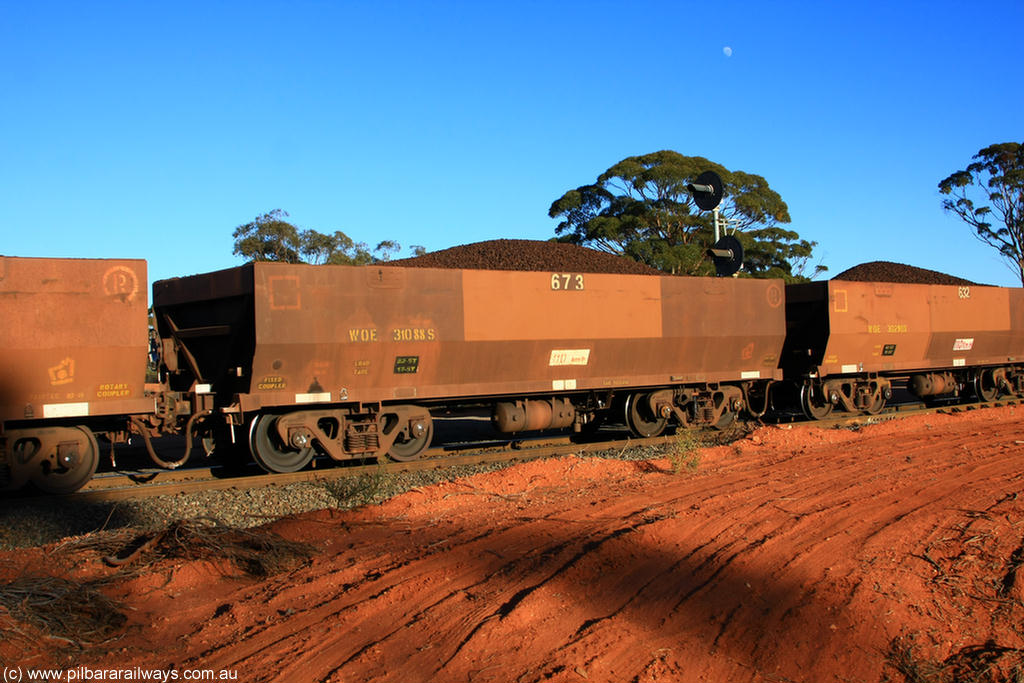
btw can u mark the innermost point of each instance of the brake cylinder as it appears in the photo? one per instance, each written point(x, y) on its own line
point(524, 416)
point(932, 384)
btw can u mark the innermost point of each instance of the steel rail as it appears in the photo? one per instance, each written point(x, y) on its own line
point(114, 487)
point(139, 484)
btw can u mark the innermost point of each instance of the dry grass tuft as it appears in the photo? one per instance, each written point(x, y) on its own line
point(987, 663)
point(256, 552)
point(61, 608)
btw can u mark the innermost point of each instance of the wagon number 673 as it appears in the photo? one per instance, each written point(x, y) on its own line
point(566, 281)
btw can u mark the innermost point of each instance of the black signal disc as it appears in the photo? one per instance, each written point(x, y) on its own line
point(728, 265)
point(708, 200)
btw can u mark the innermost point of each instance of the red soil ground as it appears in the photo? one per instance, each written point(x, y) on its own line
point(796, 554)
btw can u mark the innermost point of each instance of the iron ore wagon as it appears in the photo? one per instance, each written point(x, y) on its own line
point(349, 361)
point(849, 341)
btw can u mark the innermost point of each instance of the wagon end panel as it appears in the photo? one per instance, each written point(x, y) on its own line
point(807, 328)
point(205, 324)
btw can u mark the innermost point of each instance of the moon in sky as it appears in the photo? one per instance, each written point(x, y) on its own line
point(727, 51)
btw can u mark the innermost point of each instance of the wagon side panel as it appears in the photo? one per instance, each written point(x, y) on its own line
point(970, 326)
point(876, 327)
point(74, 339)
point(392, 334)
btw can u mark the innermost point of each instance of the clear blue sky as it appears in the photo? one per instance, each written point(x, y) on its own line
point(152, 130)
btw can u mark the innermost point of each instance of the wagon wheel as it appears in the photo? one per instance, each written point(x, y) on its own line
point(728, 419)
point(409, 447)
point(71, 463)
point(875, 407)
point(816, 407)
point(640, 419)
point(985, 386)
point(268, 450)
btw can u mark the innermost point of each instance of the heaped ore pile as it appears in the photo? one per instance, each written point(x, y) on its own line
point(887, 271)
point(528, 255)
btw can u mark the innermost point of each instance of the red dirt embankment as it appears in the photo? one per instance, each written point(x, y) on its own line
point(796, 554)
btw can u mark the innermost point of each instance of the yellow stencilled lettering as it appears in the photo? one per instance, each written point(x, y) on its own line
point(407, 365)
point(566, 281)
point(363, 334)
point(413, 334)
point(113, 390)
point(874, 329)
point(897, 328)
point(361, 367)
point(271, 383)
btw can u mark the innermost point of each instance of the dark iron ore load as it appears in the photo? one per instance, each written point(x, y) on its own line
point(887, 271)
point(512, 254)
point(528, 255)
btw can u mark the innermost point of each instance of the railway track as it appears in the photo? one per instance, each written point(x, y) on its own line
point(150, 482)
point(113, 486)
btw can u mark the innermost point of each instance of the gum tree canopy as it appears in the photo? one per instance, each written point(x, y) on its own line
point(989, 196)
point(271, 237)
point(640, 208)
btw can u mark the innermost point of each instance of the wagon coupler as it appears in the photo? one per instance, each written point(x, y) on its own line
point(169, 464)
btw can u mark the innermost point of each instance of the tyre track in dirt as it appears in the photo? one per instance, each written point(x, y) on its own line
point(793, 555)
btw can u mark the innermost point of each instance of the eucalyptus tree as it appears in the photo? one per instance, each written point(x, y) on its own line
point(989, 196)
point(641, 208)
point(271, 237)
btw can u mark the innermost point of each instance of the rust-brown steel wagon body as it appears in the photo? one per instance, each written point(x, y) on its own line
point(847, 340)
point(351, 359)
point(73, 348)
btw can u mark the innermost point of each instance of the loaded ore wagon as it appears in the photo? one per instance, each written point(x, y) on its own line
point(349, 361)
point(72, 360)
point(848, 340)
